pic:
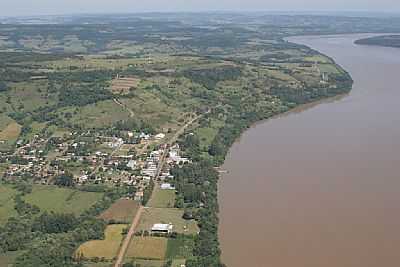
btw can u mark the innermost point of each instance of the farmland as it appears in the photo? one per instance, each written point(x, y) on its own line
point(106, 248)
point(10, 132)
point(167, 215)
point(162, 198)
point(150, 248)
point(6, 203)
point(123, 210)
point(62, 200)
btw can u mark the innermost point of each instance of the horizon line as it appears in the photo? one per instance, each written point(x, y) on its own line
point(274, 11)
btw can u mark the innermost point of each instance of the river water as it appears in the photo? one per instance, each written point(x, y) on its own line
point(320, 186)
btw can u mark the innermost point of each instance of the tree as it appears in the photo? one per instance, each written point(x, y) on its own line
point(3, 87)
point(66, 179)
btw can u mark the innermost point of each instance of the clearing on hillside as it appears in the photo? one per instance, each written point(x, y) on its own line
point(107, 248)
point(148, 247)
point(152, 216)
point(62, 200)
point(10, 132)
point(6, 203)
point(123, 85)
point(122, 211)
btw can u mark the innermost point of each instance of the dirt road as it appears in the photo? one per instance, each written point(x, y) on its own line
point(128, 238)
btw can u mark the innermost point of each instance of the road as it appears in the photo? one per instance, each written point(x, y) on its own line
point(131, 113)
point(135, 222)
point(128, 238)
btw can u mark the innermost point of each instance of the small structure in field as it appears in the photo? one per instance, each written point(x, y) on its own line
point(167, 186)
point(162, 228)
point(160, 136)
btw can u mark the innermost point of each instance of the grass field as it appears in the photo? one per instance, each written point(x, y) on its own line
point(3, 168)
point(153, 248)
point(180, 248)
point(152, 216)
point(4, 121)
point(63, 200)
point(99, 115)
point(10, 132)
point(123, 210)
point(329, 68)
point(107, 248)
point(28, 96)
point(6, 203)
point(162, 198)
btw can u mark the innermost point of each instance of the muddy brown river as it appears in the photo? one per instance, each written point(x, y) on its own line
point(320, 186)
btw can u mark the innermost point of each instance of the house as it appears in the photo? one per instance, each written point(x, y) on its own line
point(161, 228)
point(131, 164)
point(167, 186)
point(138, 196)
point(160, 136)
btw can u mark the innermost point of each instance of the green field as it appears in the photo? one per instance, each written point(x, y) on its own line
point(150, 248)
point(180, 248)
point(6, 203)
point(162, 198)
point(107, 248)
point(152, 216)
point(62, 200)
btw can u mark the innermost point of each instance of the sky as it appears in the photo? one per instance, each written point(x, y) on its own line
point(58, 7)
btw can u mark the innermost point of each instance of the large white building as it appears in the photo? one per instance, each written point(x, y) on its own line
point(161, 228)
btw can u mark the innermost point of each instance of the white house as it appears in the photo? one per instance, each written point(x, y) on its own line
point(160, 136)
point(167, 186)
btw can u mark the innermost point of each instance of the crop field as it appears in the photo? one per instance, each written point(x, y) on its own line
point(107, 248)
point(62, 200)
point(123, 210)
point(10, 132)
point(7, 259)
point(6, 203)
point(152, 216)
point(162, 198)
point(124, 85)
point(148, 247)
